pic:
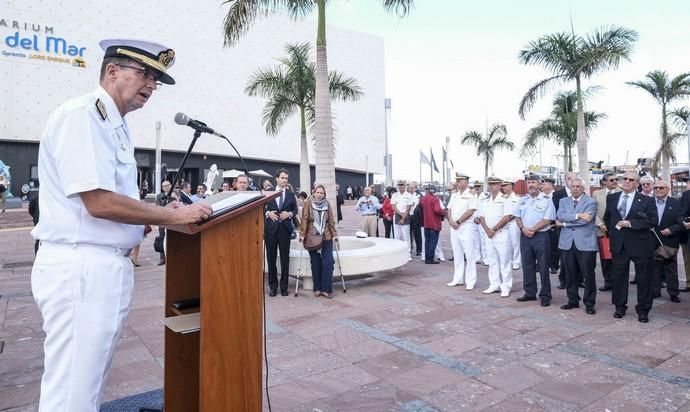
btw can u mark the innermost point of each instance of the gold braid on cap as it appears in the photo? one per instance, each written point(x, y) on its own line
point(144, 59)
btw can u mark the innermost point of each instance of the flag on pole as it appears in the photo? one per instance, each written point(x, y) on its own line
point(433, 162)
point(451, 164)
point(445, 154)
point(423, 159)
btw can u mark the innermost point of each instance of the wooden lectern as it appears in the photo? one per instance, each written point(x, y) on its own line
point(217, 365)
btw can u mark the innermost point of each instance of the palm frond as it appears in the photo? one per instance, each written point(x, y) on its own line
point(535, 92)
point(276, 112)
point(266, 82)
point(343, 88)
point(679, 117)
point(605, 48)
point(400, 7)
point(553, 51)
point(240, 17)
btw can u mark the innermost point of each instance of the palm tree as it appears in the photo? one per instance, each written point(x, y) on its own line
point(561, 126)
point(289, 87)
point(242, 14)
point(571, 57)
point(665, 91)
point(486, 147)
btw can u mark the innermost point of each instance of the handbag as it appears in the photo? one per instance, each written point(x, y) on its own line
point(605, 247)
point(313, 241)
point(663, 252)
point(158, 244)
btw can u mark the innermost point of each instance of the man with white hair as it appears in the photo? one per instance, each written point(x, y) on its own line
point(647, 185)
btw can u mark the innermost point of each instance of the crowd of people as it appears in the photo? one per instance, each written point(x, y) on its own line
point(632, 219)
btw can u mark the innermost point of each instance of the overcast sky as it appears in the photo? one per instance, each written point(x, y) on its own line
point(451, 65)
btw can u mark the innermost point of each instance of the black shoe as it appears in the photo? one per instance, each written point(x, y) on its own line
point(663, 285)
point(284, 293)
point(554, 271)
point(561, 286)
point(685, 289)
point(605, 288)
point(452, 258)
point(675, 299)
point(432, 262)
point(582, 285)
point(273, 292)
point(546, 303)
point(569, 306)
point(619, 313)
point(633, 282)
point(656, 295)
point(590, 310)
point(419, 253)
point(526, 298)
point(642, 318)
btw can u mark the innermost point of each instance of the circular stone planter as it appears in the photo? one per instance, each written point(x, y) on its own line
point(358, 256)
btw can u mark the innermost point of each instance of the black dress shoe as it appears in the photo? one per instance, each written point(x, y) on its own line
point(432, 262)
point(590, 310)
point(582, 285)
point(605, 288)
point(273, 292)
point(554, 271)
point(675, 299)
point(526, 298)
point(561, 286)
point(618, 313)
point(633, 282)
point(284, 293)
point(663, 285)
point(545, 303)
point(685, 289)
point(656, 295)
point(642, 318)
point(451, 258)
point(569, 306)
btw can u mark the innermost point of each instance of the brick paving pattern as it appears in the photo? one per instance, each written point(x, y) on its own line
point(398, 341)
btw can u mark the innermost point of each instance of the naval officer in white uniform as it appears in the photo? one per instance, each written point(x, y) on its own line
point(91, 217)
point(461, 208)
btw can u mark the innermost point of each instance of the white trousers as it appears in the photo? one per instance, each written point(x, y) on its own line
point(461, 240)
point(515, 243)
point(500, 255)
point(83, 293)
point(402, 232)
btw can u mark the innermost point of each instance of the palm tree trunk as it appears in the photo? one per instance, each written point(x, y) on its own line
point(486, 173)
point(582, 159)
point(665, 161)
point(566, 156)
point(304, 172)
point(323, 147)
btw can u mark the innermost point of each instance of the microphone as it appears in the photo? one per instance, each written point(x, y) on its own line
point(184, 120)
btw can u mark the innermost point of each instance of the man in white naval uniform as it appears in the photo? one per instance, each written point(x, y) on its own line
point(495, 215)
point(91, 218)
point(402, 203)
point(513, 230)
point(479, 235)
point(461, 207)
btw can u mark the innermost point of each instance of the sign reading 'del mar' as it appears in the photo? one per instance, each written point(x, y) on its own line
point(34, 42)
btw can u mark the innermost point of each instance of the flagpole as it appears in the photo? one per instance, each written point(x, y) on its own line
point(420, 167)
point(431, 166)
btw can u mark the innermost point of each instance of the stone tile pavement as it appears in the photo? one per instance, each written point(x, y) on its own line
point(398, 341)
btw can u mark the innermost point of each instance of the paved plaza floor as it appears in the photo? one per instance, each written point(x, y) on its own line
point(397, 341)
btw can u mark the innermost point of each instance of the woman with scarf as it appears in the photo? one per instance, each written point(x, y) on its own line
point(317, 219)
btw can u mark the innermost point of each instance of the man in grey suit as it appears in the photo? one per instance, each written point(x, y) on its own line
point(578, 244)
point(610, 185)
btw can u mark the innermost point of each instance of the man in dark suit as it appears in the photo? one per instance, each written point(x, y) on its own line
point(685, 215)
point(278, 230)
point(629, 217)
point(578, 244)
point(186, 193)
point(668, 230)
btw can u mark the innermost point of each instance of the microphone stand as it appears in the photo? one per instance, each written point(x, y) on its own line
point(197, 135)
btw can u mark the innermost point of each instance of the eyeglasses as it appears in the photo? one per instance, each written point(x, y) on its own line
point(613, 180)
point(660, 187)
point(147, 73)
point(646, 183)
point(628, 179)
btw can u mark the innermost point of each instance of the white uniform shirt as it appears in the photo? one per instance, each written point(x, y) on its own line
point(494, 209)
point(401, 201)
point(415, 202)
point(460, 203)
point(79, 152)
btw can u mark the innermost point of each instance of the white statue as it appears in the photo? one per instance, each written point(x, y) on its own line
point(211, 178)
